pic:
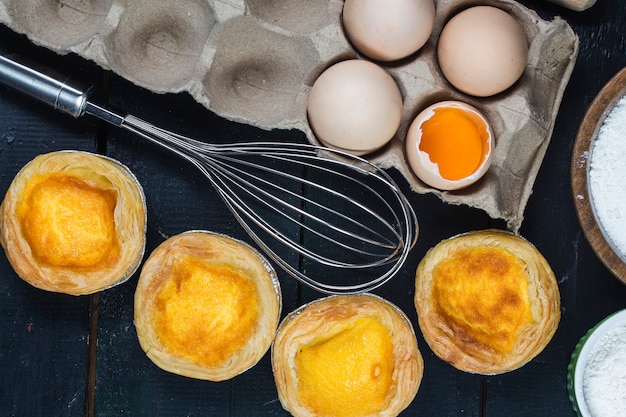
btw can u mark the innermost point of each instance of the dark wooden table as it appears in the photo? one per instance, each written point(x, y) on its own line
point(75, 356)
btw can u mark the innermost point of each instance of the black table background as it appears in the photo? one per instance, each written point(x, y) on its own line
point(73, 356)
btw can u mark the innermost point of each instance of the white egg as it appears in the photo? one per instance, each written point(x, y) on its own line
point(354, 105)
point(388, 30)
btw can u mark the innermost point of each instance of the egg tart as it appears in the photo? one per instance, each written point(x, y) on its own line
point(206, 306)
point(346, 356)
point(74, 222)
point(487, 301)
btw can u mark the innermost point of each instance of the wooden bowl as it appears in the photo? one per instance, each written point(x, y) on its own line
point(602, 104)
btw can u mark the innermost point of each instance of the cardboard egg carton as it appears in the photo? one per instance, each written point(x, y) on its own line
point(254, 61)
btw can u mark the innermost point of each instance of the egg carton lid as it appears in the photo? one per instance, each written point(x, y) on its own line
point(254, 61)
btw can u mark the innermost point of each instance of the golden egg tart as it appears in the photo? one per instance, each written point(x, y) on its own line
point(487, 301)
point(346, 356)
point(206, 306)
point(74, 222)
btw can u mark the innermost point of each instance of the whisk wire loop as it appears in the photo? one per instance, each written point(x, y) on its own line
point(256, 192)
point(228, 166)
point(247, 181)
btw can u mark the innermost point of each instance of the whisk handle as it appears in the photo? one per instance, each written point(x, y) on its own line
point(43, 87)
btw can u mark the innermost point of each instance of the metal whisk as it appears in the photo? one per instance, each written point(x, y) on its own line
point(341, 219)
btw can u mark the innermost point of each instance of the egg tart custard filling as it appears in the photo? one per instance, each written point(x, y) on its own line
point(194, 288)
point(74, 222)
point(68, 222)
point(206, 306)
point(487, 302)
point(348, 356)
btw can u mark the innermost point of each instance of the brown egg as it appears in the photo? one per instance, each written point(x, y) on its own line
point(354, 106)
point(388, 31)
point(482, 51)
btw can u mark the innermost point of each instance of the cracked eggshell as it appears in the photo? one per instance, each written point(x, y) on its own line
point(429, 171)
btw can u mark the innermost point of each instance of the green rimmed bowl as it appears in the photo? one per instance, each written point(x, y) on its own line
point(578, 361)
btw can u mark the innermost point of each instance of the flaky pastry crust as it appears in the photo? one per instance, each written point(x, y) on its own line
point(323, 319)
point(206, 306)
point(123, 231)
point(487, 301)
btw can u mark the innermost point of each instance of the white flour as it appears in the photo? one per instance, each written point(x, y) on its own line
point(604, 377)
point(607, 176)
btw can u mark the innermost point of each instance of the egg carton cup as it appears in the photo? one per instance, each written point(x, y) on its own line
point(254, 61)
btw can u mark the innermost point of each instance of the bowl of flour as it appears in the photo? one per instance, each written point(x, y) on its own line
point(596, 378)
point(598, 174)
point(607, 173)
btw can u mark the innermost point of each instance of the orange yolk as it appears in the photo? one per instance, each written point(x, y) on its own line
point(455, 140)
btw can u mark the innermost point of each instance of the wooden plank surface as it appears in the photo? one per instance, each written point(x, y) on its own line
point(44, 337)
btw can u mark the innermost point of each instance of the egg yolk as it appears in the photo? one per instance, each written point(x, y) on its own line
point(348, 372)
point(455, 140)
point(483, 294)
point(204, 311)
point(69, 223)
